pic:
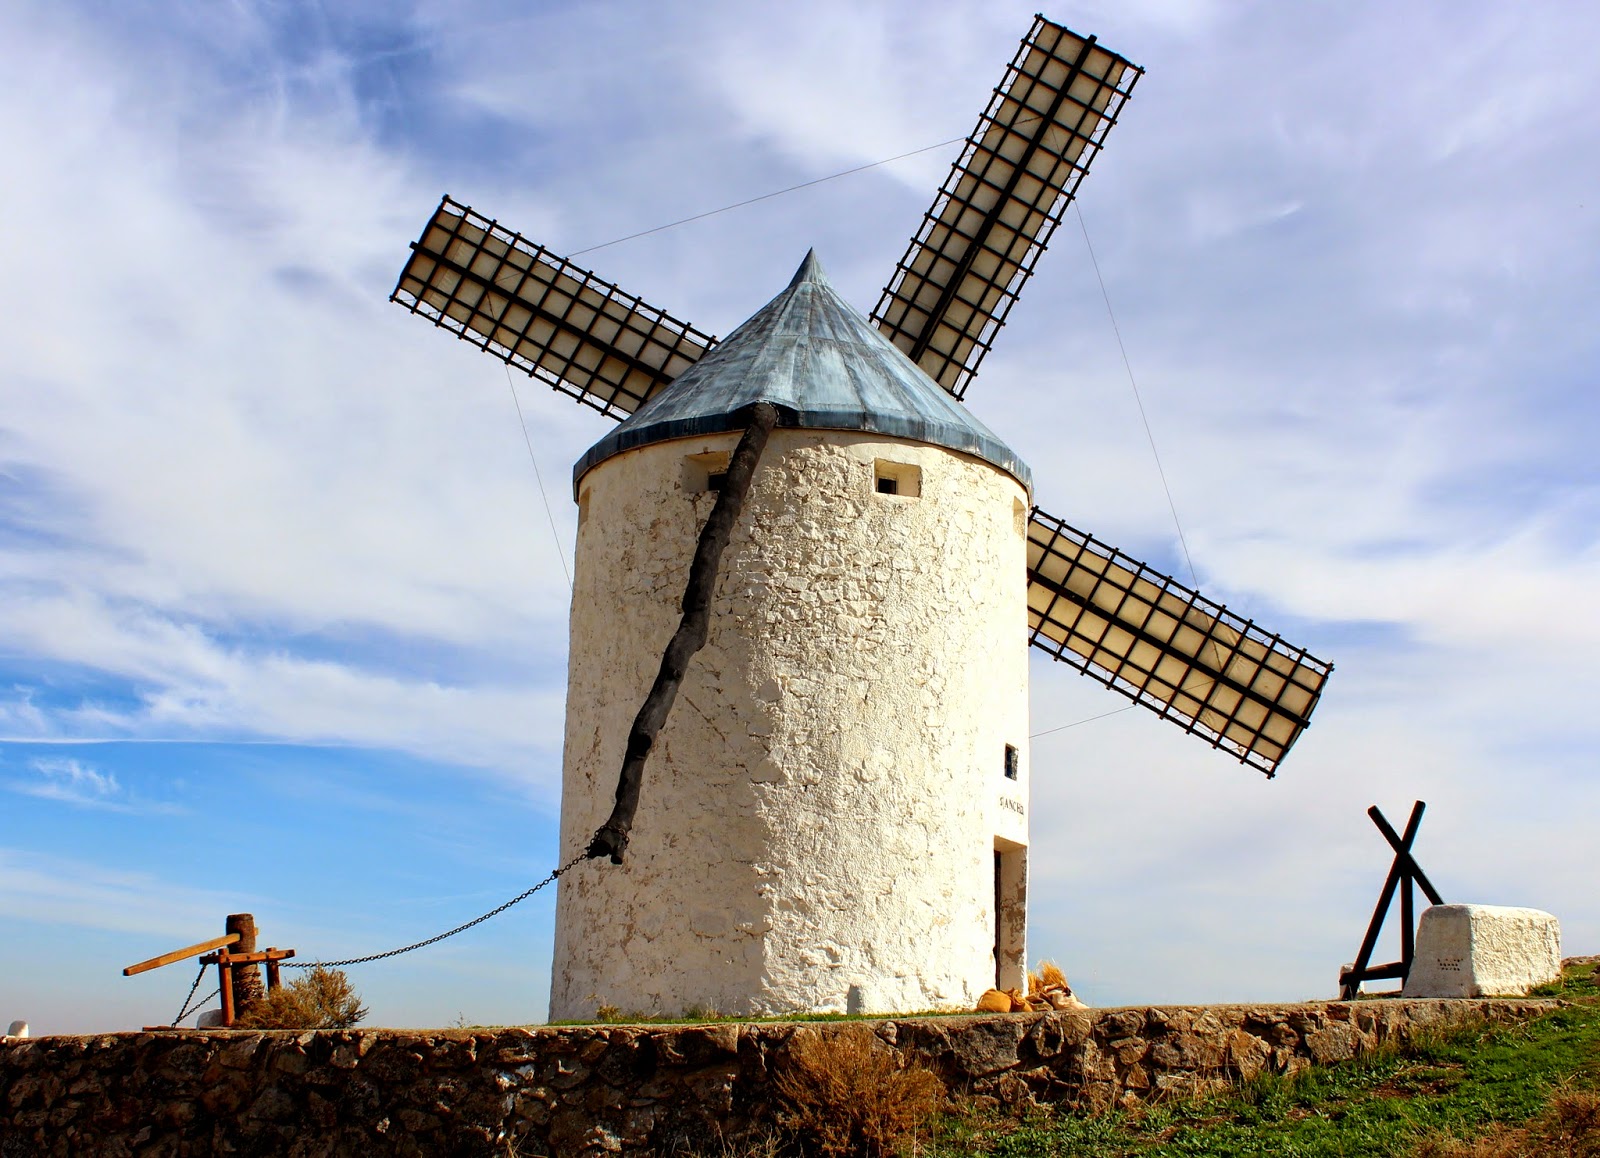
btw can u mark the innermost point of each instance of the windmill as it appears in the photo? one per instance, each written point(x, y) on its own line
point(837, 812)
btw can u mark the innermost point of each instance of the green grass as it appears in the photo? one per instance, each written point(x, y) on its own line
point(1392, 1102)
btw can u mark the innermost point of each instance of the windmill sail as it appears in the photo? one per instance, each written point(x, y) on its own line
point(978, 243)
point(544, 315)
point(1166, 647)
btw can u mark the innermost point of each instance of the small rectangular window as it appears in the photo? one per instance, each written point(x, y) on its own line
point(1011, 761)
point(897, 478)
point(705, 472)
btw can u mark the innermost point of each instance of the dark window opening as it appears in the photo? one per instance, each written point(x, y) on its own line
point(716, 480)
point(1011, 761)
point(897, 478)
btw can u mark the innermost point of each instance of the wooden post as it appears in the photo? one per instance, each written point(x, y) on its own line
point(225, 985)
point(246, 979)
point(1350, 983)
point(1408, 925)
point(272, 971)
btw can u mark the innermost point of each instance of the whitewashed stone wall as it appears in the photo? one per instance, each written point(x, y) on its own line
point(820, 814)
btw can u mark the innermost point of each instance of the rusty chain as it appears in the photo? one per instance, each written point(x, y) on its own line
point(519, 898)
point(185, 1009)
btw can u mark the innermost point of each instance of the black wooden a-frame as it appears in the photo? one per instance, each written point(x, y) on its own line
point(1402, 874)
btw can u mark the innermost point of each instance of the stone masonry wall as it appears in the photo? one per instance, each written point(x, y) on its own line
point(593, 1090)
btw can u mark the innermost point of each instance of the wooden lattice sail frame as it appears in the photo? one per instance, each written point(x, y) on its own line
point(1166, 646)
point(1217, 675)
point(543, 314)
point(1020, 168)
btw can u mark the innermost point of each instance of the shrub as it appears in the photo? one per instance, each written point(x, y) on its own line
point(845, 1094)
point(317, 999)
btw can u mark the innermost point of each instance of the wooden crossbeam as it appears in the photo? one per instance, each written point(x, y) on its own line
point(1404, 873)
point(226, 958)
point(1394, 969)
point(1402, 851)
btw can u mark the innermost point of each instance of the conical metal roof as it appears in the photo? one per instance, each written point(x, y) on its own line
point(825, 367)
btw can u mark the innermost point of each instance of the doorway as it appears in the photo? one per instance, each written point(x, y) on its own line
point(1010, 914)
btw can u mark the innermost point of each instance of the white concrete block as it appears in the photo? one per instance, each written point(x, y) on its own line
point(1484, 951)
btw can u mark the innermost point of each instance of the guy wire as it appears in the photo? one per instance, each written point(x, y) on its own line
point(766, 196)
point(528, 442)
point(1075, 723)
point(1018, 123)
point(1143, 417)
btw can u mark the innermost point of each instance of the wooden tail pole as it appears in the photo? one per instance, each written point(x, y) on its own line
point(612, 836)
point(181, 954)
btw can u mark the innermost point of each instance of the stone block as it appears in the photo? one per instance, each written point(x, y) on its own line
point(1484, 951)
point(1248, 1054)
point(1333, 1043)
point(986, 1046)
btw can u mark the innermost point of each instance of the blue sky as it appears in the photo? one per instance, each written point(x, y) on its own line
point(282, 616)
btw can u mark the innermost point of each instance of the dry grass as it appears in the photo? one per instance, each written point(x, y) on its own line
point(317, 999)
point(844, 1094)
point(1569, 1128)
point(1048, 977)
point(766, 1146)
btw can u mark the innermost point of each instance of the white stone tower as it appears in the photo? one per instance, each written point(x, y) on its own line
point(835, 815)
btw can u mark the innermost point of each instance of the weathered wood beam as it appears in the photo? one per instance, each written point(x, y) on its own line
point(247, 984)
point(180, 954)
point(1402, 851)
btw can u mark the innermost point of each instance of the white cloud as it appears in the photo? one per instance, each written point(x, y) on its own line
point(75, 782)
point(231, 440)
point(191, 686)
point(70, 891)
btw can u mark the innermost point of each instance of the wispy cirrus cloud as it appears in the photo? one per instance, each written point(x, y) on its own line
point(70, 890)
point(158, 676)
point(82, 785)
